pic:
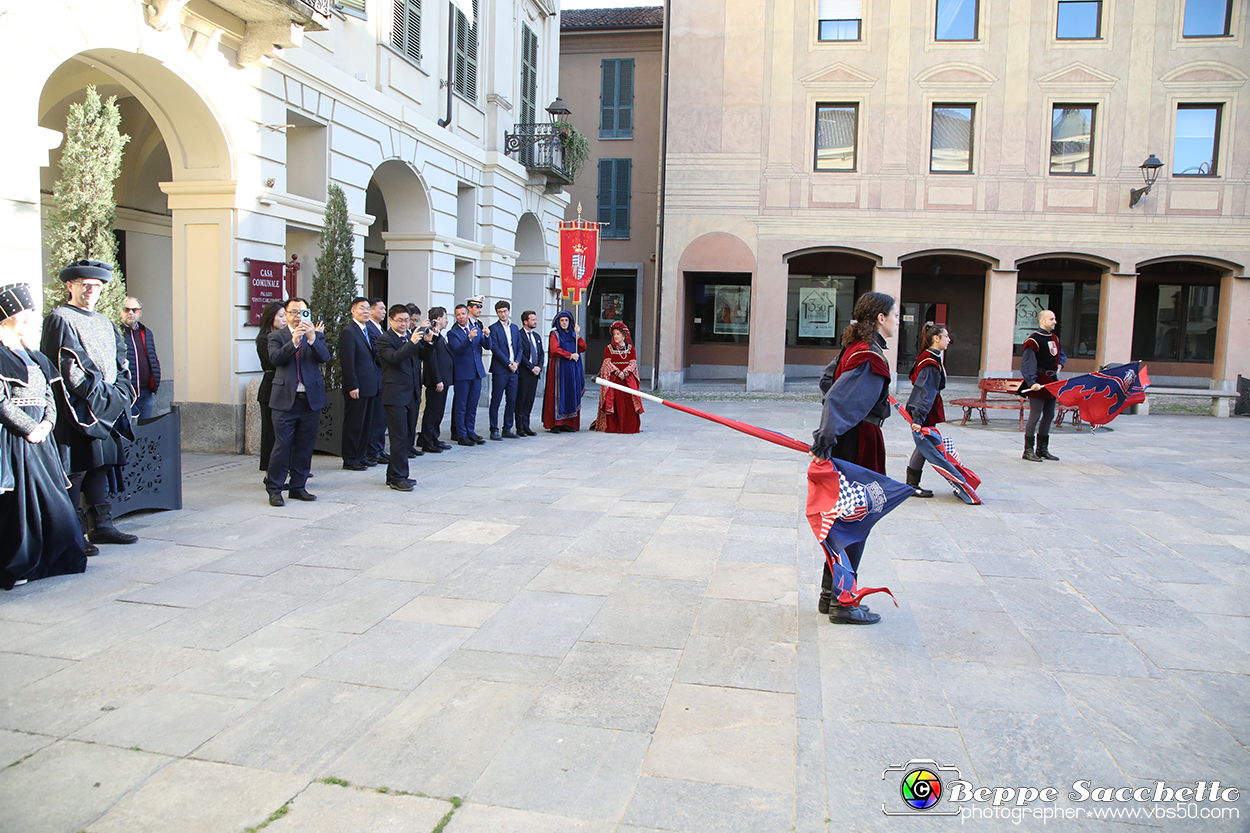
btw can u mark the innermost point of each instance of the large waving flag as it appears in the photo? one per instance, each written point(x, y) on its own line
point(1102, 396)
point(844, 501)
point(941, 453)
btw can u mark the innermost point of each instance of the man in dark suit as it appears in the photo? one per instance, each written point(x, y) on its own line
point(464, 340)
point(505, 360)
point(401, 353)
point(415, 322)
point(298, 395)
point(362, 380)
point(376, 452)
point(439, 372)
point(527, 376)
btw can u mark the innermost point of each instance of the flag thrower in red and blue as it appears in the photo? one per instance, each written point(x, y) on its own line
point(941, 452)
point(844, 501)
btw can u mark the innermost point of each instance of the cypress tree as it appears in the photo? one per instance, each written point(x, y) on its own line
point(334, 284)
point(81, 223)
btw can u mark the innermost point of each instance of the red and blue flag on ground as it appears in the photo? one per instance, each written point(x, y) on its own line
point(1102, 396)
point(941, 453)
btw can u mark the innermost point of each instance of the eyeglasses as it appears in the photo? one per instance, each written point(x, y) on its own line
point(132, 309)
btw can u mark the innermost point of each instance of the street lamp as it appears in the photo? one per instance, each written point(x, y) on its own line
point(556, 110)
point(1150, 172)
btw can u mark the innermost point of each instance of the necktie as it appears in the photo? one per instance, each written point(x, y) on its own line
point(299, 364)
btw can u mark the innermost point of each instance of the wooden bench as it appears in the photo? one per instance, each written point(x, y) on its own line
point(1221, 400)
point(1001, 394)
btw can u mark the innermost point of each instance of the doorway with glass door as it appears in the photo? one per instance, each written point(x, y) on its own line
point(613, 297)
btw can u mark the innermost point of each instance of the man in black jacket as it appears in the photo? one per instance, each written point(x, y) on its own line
point(401, 353)
point(531, 368)
point(145, 367)
point(439, 372)
point(376, 451)
point(362, 380)
point(296, 400)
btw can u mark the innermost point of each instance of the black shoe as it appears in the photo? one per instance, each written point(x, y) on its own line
point(467, 441)
point(431, 449)
point(356, 467)
point(275, 499)
point(1043, 449)
point(913, 480)
point(479, 439)
point(841, 615)
point(508, 435)
point(103, 531)
point(370, 463)
point(88, 548)
point(444, 446)
point(494, 435)
point(1030, 456)
point(822, 606)
point(302, 494)
point(381, 458)
point(455, 438)
point(413, 453)
point(404, 485)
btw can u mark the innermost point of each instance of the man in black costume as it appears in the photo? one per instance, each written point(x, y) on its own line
point(1041, 360)
point(93, 423)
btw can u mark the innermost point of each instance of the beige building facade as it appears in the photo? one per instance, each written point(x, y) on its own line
point(974, 158)
point(240, 112)
point(611, 64)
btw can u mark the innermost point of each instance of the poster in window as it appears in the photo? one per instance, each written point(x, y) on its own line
point(1027, 308)
point(731, 309)
point(818, 312)
point(611, 308)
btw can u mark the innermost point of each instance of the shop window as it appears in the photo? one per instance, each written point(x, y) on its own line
point(1078, 20)
point(956, 20)
point(951, 139)
point(1197, 148)
point(1072, 139)
point(837, 128)
point(1207, 18)
point(840, 20)
point(1075, 304)
point(719, 306)
point(616, 99)
point(818, 308)
point(1176, 322)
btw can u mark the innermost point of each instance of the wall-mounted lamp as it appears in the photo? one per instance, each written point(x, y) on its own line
point(1150, 172)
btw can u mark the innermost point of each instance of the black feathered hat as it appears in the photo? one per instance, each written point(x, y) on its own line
point(90, 270)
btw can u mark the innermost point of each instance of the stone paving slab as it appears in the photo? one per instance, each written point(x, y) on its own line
point(619, 634)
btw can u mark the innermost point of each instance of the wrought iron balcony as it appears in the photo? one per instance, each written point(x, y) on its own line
point(539, 149)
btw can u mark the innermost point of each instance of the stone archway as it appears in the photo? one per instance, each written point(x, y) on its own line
point(532, 270)
point(947, 287)
point(189, 220)
point(405, 227)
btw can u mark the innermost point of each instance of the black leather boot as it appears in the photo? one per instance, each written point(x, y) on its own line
point(84, 523)
point(104, 532)
point(1043, 448)
point(913, 480)
point(855, 615)
point(1028, 451)
point(826, 596)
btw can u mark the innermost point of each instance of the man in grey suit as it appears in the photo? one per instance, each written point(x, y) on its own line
point(298, 395)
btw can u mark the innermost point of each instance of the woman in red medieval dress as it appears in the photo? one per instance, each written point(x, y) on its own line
point(618, 411)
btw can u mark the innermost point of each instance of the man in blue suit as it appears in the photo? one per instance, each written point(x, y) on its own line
point(505, 361)
point(465, 342)
point(527, 375)
point(358, 357)
point(298, 395)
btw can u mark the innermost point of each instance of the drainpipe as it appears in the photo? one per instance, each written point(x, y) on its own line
point(659, 224)
point(451, 53)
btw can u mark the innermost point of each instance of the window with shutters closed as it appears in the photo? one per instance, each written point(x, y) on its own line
point(406, 28)
point(616, 99)
point(529, 75)
point(465, 63)
point(614, 198)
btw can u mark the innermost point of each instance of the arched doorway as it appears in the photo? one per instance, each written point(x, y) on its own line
point(718, 270)
point(399, 247)
point(1176, 319)
point(820, 298)
point(946, 288)
point(177, 223)
point(532, 271)
point(1071, 287)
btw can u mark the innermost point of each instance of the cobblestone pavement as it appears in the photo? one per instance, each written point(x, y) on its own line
point(619, 633)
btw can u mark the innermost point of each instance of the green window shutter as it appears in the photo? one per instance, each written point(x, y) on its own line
point(614, 175)
point(529, 75)
point(616, 99)
point(406, 27)
point(465, 63)
point(607, 100)
point(355, 8)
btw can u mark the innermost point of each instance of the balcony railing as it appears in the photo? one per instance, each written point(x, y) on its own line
point(539, 149)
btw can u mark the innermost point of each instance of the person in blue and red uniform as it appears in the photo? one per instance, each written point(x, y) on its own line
point(924, 406)
point(857, 392)
point(1040, 364)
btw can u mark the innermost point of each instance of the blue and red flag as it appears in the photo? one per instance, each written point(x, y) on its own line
point(1102, 396)
point(844, 501)
point(941, 453)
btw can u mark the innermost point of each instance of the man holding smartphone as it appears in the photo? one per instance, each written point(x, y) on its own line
point(298, 395)
point(401, 349)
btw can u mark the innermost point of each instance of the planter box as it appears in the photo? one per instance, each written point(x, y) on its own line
point(153, 471)
point(330, 431)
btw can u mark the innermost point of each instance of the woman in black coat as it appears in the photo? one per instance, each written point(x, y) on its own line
point(270, 320)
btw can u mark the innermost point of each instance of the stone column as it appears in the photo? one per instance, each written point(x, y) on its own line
point(206, 316)
point(1232, 336)
point(998, 326)
point(766, 362)
point(1116, 307)
point(889, 279)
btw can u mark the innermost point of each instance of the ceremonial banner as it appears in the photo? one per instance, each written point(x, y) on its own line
point(267, 283)
point(940, 452)
point(844, 501)
point(579, 253)
point(1102, 396)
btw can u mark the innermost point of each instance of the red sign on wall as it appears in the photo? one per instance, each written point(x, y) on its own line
point(267, 284)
